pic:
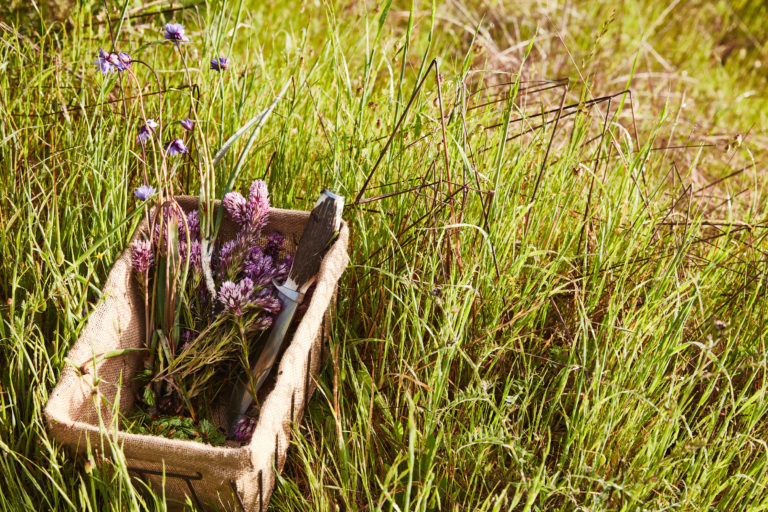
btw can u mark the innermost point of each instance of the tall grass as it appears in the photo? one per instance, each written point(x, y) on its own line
point(568, 316)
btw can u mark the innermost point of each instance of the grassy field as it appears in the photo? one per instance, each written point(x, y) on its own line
point(556, 297)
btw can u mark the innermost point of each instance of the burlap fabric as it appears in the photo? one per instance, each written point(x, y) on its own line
point(80, 411)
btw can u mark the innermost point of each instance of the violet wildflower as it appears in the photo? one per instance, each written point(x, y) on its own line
point(144, 192)
point(174, 32)
point(141, 256)
point(235, 297)
point(220, 64)
point(145, 131)
point(188, 124)
point(237, 207)
point(103, 62)
point(114, 60)
point(176, 147)
point(125, 59)
point(243, 428)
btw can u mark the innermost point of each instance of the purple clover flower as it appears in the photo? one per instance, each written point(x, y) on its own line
point(259, 267)
point(274, 244)
point(193, 222)
point(141, 255)
point(258, 197)
point(243, 428)
point(237, 207)
point(252, 212)
point(144, 192)
point(174, 32)
point(145, 131)
point(220, 64)
point(267, 302)
point(196, 255)
point(283, 268)
point(225, 256)
point(176, 147)
point(188, 124)
point(235, 297)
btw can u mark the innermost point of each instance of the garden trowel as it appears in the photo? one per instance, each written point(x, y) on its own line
point(323, 224)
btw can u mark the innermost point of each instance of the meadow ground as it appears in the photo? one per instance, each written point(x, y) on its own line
point(556, 297)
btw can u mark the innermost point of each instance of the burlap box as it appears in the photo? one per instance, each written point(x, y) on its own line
point(81, 406)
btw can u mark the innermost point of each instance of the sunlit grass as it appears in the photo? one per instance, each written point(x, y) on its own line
point(600, 345)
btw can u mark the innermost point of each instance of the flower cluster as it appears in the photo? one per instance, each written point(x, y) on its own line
point(209, 292)
point(245, 266)
point(113, 62)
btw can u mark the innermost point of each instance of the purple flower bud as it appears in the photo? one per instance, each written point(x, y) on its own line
point(188, 124)
point(175, 32)
point(243, 428)
point(141, 256)
point(176, 147)
point(237, 207)
point(220, 64)
point(145, 131)
point(144, 192)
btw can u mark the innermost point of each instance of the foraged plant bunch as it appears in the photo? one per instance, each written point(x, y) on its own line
point(213, 334)
point(207, 298)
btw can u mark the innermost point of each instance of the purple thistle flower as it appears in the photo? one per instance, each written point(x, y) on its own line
point(103, 62)
point(176, 147)
point(235, 297)
point(243, 428)
point(145, 131)
point(175, 32)
point(141, 256)
point(144, 192)
point(220, 64)
point(237, 207)
point(188, 124)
